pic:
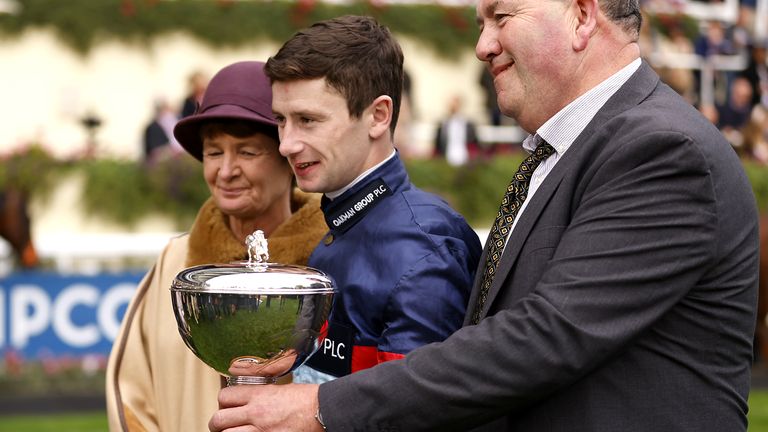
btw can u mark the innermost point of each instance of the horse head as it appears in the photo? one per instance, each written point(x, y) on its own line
point(15, 226)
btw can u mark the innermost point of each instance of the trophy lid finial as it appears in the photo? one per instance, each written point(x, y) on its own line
point(258, 251)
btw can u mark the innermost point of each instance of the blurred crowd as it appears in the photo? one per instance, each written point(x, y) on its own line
point(719, 66)
point(159, 142)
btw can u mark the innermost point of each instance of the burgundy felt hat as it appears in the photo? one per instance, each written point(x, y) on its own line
point(239, 91)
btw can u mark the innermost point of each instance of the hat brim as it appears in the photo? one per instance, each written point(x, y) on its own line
point(187, 130)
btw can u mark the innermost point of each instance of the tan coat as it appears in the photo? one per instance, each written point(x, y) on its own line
point(154, 382)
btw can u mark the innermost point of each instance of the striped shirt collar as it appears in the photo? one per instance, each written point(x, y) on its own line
point(562, 129)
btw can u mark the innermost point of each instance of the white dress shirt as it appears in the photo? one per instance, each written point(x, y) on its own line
point(562, 129)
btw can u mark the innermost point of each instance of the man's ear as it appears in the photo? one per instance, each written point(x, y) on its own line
point(586, 12)
point(381, 116)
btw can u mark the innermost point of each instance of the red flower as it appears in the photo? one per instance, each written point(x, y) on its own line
point(127, 8)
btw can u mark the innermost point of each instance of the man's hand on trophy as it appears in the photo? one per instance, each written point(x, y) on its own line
point(274, 367)
point(277, 408)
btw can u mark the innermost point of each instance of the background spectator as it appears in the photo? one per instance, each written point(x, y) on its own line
point(734, 114)
point(755, 143)
point(757, 71)
point(456, 138)
point(491, 105)
point(197, 81)
point(159, 141)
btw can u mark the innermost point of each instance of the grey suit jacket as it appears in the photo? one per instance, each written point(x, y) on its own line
point(624, 301)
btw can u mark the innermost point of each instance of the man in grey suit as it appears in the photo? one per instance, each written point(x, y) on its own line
point(618, 295)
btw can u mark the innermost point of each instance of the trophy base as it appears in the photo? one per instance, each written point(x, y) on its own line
point(250, 380)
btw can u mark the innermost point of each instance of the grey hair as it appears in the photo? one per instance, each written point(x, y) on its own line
point(624, 13)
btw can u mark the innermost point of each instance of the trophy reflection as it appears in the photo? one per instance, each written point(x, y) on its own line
point(253, 321)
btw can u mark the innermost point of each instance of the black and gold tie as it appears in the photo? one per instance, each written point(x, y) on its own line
point(510, 204)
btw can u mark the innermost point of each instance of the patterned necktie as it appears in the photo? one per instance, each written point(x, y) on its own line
point(510, 204)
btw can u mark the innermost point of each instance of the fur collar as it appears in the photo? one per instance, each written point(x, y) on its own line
point(211, 241)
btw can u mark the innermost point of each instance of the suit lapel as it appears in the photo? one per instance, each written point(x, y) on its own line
point(523, 228)
point(634, 91)
point(476, 284)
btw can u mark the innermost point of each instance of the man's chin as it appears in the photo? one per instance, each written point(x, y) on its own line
point(310, 187)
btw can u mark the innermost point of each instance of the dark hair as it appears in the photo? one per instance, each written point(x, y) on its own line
point(236, 127)
point(355, 54)
point(625, 13)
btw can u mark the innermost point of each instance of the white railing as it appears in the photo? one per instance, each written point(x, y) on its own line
point(95, 253)
point(500, 134)
point(88, 253)
point(707, 65)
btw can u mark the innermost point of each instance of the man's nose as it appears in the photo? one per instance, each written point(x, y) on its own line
point(487, 46)
point(289, 144)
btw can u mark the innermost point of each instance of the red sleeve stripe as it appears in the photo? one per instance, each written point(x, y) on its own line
point(364, 357)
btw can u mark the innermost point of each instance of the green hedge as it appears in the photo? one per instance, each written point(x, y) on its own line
point(120, 191)
point(82, 24)
point(124, 192)
point(474, 190)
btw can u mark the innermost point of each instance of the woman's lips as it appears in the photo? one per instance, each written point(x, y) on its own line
point(231, 191)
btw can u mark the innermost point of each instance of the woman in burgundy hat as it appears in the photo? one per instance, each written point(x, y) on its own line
point(154, 382)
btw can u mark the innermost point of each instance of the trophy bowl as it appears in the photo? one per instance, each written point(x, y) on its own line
point(252, 323)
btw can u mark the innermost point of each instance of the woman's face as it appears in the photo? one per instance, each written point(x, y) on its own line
point(247, 176)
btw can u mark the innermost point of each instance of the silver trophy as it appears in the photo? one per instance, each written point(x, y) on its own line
point(253, 321)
